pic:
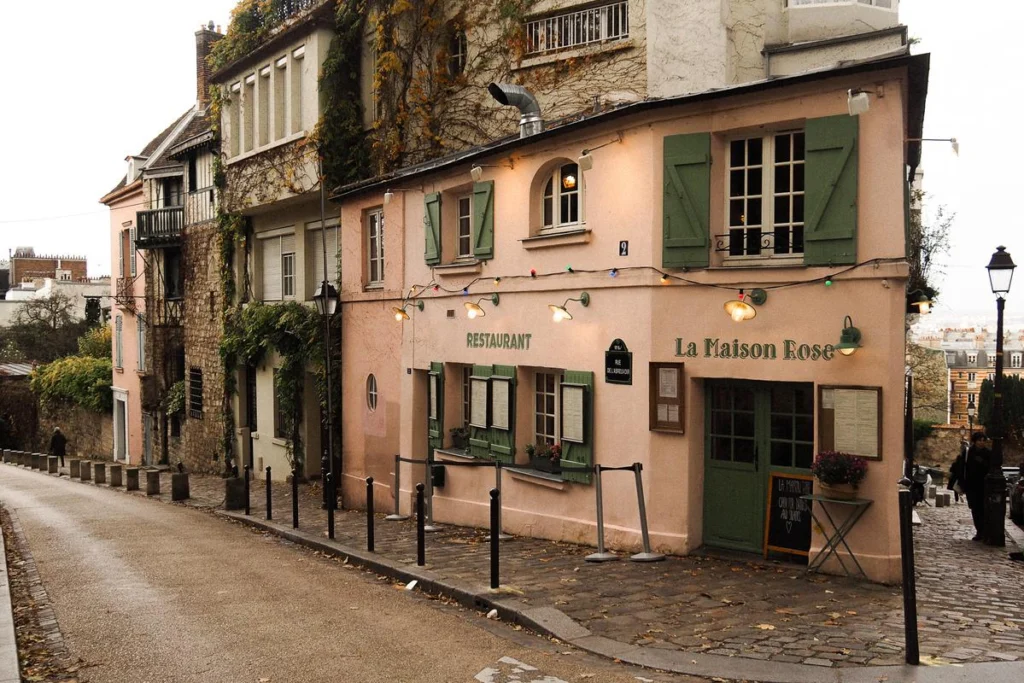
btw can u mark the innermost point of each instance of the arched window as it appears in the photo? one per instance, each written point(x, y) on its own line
point(562, 199)
point(371, 393)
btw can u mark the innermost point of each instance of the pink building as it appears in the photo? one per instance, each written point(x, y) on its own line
point(567, 287)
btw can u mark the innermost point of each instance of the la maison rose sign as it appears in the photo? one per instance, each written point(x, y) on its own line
point(714, 347)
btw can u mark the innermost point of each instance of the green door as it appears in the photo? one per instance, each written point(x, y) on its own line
point(751, 428)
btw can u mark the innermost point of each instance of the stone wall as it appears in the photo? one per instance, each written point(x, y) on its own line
point(18, 413)
point(202, 448)
point(89, 434)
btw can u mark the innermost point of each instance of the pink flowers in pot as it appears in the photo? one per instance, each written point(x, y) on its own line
point(833, 468)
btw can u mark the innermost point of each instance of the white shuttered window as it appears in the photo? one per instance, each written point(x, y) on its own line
point(315, 254)
point(271, 269)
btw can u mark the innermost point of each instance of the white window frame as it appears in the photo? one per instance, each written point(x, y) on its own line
point(972, 358)
point(458, 53)
point(288, 275)
point(766, 195)
point(1015, 360)
point(132, 251)
point(467, 395)
point(558, 191)
point(375, 256)
point(570, 30)
point(540, 392)
point(464, 226)
point(287, 261)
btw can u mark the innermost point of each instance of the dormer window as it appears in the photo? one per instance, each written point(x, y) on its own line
point(561, 200)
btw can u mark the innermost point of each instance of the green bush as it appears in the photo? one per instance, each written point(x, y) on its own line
point(75, 381)
point(96, 342)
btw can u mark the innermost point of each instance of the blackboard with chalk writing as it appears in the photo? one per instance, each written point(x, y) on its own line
point(788, 521)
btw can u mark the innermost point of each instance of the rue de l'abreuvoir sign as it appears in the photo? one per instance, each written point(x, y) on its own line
point(714, 347)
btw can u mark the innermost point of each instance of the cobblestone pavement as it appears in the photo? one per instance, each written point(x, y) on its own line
point(971, 596)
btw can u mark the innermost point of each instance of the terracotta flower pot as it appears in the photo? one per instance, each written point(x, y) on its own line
point(837, 491)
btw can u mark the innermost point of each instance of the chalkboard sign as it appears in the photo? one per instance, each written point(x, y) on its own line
point(788, 522)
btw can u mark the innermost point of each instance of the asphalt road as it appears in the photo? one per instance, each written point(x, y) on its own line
point(149, 592)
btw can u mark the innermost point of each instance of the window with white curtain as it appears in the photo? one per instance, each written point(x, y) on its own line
point(278, 267)
point(118, 343)
point(315, 255)
point(140, 330)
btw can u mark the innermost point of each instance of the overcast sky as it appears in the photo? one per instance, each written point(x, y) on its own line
point(97, 80)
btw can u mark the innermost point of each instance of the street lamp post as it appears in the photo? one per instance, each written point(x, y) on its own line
point(326, 299)
point(1000, 274)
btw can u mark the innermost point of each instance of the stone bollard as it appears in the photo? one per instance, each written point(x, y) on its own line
point(152, 482)
point(179, 486)
point(35, 461)
point(234, 493)
point(941, 499)
point(101, 473)
point(86, 471)
point(932, 490)
point(115, 476)
point(76, 467)
point(131, 478)
point(52, 463)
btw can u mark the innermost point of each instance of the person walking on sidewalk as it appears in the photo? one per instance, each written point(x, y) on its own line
point(976, 465)
point(58, 443)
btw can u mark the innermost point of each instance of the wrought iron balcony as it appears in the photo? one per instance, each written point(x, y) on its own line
point(125, 296)
point(159, 227)
point(166, 312)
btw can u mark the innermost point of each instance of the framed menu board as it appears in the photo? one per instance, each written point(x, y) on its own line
point(850, 420)
point(501, 402)
point(666, 397)
point(432, 398)
point(573, 404)
point(479, 392)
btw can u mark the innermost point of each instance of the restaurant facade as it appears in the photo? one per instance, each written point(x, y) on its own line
point(712, 286)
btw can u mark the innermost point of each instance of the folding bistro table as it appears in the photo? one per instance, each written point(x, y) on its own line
point(837, 536)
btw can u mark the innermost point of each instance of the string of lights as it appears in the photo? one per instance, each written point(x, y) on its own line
point(418, 290)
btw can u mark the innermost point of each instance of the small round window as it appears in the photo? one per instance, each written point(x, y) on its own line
point(371, 393)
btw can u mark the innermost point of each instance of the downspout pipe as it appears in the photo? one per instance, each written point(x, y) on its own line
point(530, 121)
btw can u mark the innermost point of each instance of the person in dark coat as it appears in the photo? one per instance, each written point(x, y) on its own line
point(58, 443)
point(976, 465)
point(956, 473)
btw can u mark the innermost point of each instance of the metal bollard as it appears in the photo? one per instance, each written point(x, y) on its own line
point(421, 539)
point(601, 555)
point(430, 526)
point(369, 514)
point(247, 490)
point(295, 498)
point(646, 555)
point(397, 493)
point(270, 507)
point(909, 580)
point(330, 506)
point(497, 485)
point(495, 536)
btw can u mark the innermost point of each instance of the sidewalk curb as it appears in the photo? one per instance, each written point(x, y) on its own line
point(10, 665)
point(553, 622)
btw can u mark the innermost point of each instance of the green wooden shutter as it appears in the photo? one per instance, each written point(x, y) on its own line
point(483, 220)
point(503, 442)
point(435, 426)
point(686, 201)
point(575, 453)
point(830, 227)
point(480, 438)
point(432, 228)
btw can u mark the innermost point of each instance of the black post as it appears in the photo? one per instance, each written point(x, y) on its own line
point(495, 536)
point(323, 479)
point(908, 428)
point(270, 507)
point(369, 514)
point(295, 499)
point(421, 536)
point(330, 507)
point(995, 482)
point(909, 581)
point(247, 490)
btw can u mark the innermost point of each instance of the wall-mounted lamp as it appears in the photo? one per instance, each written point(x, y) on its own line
point(857, 102)
point(849, 338)
point(473, 310)
point(952, 141)
point(560, 313)
point(922, 302)
point(586, 159)
point(477, 171)
point(403, 312)
point(742, 307)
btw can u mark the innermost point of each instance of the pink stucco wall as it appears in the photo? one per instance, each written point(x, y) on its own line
point(623, 202)
point(126, 380)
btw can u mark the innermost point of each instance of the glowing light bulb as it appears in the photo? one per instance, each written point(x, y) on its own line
point(471, 313)
point(558, 316)
point(738, 314)
point(847, 352)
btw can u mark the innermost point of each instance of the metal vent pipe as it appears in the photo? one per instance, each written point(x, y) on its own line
point(530, 121)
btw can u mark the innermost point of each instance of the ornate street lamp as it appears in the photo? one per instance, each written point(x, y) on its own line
point(1000, 275)
point(326, 299)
